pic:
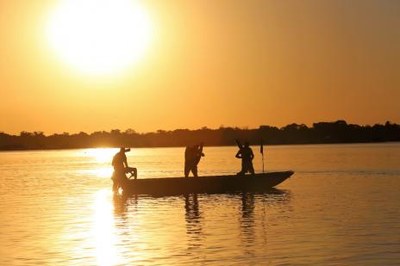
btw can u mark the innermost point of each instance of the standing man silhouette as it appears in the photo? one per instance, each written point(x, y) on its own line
point(193, 155)
point(246, 154)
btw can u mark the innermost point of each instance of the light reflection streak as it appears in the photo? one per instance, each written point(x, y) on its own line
point(103, 230)
point(101, 172)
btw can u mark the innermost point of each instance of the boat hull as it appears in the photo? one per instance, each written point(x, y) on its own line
point(205, 184)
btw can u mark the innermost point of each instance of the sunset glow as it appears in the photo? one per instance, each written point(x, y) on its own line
point(199, 132)
point(92, 65)
point(99, 37)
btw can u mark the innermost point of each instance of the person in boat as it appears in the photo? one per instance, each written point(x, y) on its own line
point(120, 164)
point(193, 155)
point(246, 154)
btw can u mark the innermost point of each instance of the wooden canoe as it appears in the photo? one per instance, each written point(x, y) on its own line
point(204, 184)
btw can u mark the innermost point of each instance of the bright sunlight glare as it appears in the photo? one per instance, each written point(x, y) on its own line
point(101, 158)
point(103, 226)
point(101, 155)
point(99, 37)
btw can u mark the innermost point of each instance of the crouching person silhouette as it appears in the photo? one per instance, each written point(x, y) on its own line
point(121, 168)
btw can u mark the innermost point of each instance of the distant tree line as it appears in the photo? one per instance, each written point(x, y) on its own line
point(322, 132)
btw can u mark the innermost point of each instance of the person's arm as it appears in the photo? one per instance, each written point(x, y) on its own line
point(251, 154)
point(200, 150)
point(239, 154)
point(125, 161)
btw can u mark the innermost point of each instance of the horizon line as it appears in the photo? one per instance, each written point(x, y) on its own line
point(133, 131)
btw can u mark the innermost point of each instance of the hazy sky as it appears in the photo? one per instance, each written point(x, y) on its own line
point(208, 63)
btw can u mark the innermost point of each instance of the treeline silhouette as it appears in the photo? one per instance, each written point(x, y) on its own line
point(319, 133)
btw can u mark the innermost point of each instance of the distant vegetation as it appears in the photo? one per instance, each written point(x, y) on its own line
point(322, 132)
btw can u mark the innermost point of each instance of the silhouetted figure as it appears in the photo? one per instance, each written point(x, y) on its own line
point(193, 155)
point(246, 154)
point(120, 164)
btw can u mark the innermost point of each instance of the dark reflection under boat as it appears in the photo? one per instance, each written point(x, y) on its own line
point(254, 209)
point(192, 206)
point(122, 202)
point(247, 220)
point(193, 220)
point(192, 212)
point(269, 195)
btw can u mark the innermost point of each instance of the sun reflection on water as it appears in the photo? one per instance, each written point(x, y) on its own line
point(101, 155)
point(101, 158)
point(103, 230)
point(103, 172)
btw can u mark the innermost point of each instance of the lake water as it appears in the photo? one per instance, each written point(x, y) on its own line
point(341, 207)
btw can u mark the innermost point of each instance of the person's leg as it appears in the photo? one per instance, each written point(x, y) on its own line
point(194, 171)
point(187, 169)
point(134, 172)
point(251, 168)
point(243, 170)
point(114, 178)
point(115, 186)
point(248, 167)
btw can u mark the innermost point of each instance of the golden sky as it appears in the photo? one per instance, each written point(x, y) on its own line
point(205, 63)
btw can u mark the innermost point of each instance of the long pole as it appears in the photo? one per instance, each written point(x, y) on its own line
point(263, 161)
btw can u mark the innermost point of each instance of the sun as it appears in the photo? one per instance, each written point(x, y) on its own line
point(99, 37)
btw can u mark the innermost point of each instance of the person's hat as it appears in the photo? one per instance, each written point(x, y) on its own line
point(124, 149)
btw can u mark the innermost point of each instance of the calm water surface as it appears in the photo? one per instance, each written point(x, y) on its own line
point(340, 208)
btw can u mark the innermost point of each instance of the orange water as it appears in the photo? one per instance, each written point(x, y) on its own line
point(340, 208)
